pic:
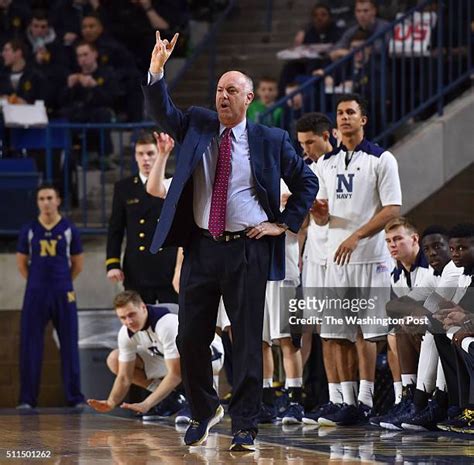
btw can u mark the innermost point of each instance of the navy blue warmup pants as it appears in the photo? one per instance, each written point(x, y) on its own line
point(39, 307)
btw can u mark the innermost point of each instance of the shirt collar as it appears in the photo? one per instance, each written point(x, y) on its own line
point(143, 178)
point(237, 131)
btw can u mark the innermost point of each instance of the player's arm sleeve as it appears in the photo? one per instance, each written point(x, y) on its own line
point(76, 244)
point(167, 330)
point(116, 231)
point(446, 287)
point(23, 245)
point(126, 347)
point(388, 181)
point(322, 192)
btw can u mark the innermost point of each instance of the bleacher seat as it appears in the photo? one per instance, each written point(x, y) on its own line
point(19, 179)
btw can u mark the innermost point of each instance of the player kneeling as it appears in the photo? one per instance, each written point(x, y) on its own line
point(147, 356)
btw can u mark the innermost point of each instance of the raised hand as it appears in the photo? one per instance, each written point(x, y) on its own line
point(165, 144)
point(161, 52)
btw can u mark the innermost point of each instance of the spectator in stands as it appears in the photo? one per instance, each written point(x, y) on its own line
point(266, 92)
point(66, 17)
point(49, 257)
point(49, 55)
point(13, 20)
point(134, 23)
point(366, 15)
point(20, 82)
point(90, 93)
point(321, 30)
point(115, 55)
point(89, 97)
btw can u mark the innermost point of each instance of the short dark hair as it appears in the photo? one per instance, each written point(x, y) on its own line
point(40, 14)
point(315, 122)
point(17, 44)
point(44, 186)
point(93, 15)
point(83, 43)
point(321, 6)
point(126, 297)
point(360, 34)
point(373, 2)
point(267, 79)
point(145, 138)
point(435, 229)
point(354, 98)
point(462, 230)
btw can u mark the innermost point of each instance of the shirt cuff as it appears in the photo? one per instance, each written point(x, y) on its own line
point(154, 77)
point(466, 343)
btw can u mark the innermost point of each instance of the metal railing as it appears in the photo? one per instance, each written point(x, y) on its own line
point(82, 160)
point(409, 70)
point(207, 45)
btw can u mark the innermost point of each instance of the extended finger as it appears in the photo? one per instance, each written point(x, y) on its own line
point(158, 37)
point(173, 41)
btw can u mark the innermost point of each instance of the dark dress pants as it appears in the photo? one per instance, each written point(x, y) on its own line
point(238, 271)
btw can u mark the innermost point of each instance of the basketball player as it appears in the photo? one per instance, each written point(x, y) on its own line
point(147, 355)
point(359, 193)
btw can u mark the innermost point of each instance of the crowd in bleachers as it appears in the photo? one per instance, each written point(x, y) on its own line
point(336, 32)
point(85, 58)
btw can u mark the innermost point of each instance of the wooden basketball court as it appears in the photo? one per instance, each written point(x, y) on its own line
point(62, 436)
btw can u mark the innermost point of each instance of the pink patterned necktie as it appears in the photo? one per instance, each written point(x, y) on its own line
point(219, 189)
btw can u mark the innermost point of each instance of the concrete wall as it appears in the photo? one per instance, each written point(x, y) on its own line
point(436, 151)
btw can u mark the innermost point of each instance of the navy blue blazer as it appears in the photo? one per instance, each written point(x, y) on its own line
point(271, 156)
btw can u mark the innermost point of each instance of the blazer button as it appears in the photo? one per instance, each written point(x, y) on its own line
point(141, 248)
point(141, 235)
point(160, 249)
point(142, 221)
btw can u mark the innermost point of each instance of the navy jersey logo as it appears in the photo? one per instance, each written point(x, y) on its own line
point(345, 186)
point(48, 247)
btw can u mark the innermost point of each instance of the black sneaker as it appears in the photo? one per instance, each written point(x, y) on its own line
point(166, 408)
point(198, 431)
point(346, 415)
point(426, 419)
point(267, 414)
point(311, 418)
point(395, 422)
point(293, 415)
point(243, 441)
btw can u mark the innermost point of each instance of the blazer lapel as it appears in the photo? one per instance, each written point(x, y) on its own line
point(209, 131)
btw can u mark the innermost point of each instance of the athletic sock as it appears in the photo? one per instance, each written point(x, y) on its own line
point(349, 392)
point(335, 393)
point(366, 392)
point(398, 389)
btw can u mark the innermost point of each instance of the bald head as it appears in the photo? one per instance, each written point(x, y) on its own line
point(234, 94)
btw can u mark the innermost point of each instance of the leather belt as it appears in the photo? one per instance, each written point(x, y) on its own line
point(226, 236)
